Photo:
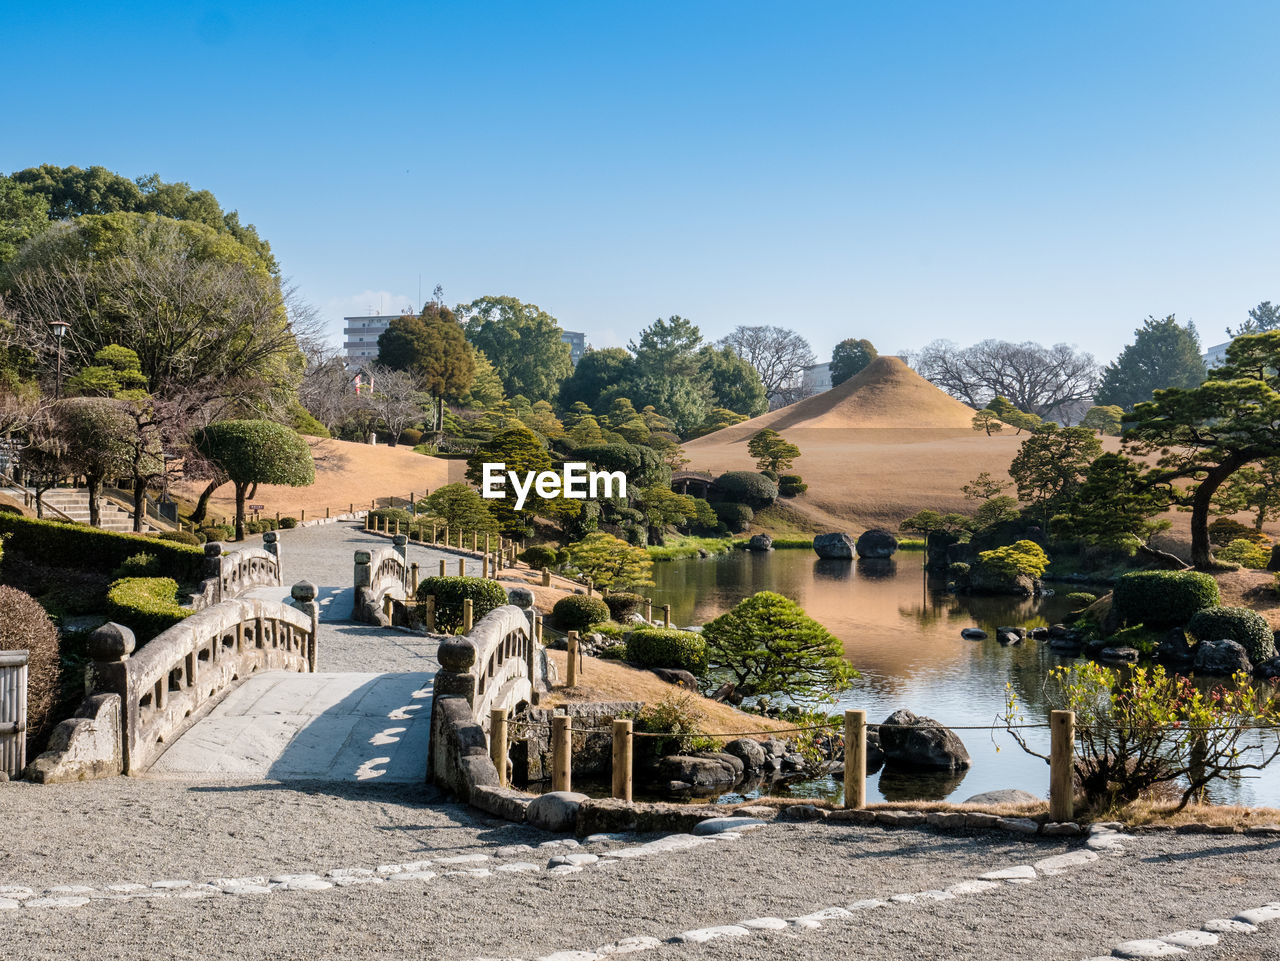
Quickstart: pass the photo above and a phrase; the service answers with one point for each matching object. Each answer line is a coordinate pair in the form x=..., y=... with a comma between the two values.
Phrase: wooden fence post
x=368, y=522
x=498, y=742
x=486, y=543
x=537, y=628
x=326, y=513
x=571, y=675
x=462, y=567
x=1062, y=732
x=430, y=616
x=468, y=615
x=433, y=534
x=484, y=566
x=666, y=615
x=648, y=610
x=622, y=758
x=855, y=759
x=302, y=515
x=442, y=570
x=546, y=577
x=475, y=541
x=561, y=752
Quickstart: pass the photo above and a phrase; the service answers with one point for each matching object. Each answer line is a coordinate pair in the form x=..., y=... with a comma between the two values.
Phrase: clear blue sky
x=899, y=171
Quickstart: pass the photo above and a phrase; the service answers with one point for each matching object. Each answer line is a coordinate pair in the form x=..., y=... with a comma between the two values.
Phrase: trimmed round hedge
x=450, y=592
x=146, y=605
x=667, y=647
x=736, y=517
x=622, y=603
x=179, y=537
x=1163, y=598
x=539, y=557
x=746, y=487
x=24, y=626
x=1248, y=628
x=789, y=485
x=578, y=612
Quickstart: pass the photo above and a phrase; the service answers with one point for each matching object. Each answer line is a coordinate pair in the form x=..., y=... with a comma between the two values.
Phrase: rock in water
x=760, y=542
x=912, y=741
x=1221, y=658
x=835, y=545
x=1004, y=796
x=974, y=634
x=748, y=751
x=876, y=543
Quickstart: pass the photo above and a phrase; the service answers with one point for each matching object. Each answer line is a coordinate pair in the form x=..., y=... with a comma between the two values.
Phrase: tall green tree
x=1113, y=505
x=735, y=384
x=1163, y=354
x=115, y=372
x=850, y=357
x=668, y=375
x=1051, y=465
x=1264, y=317
x=433, y=348
x=523, y=343
x=520, y=450
x=252, y=452
x=462, y=508
x=1207, y=433
x=22, y=216
x=596, y=380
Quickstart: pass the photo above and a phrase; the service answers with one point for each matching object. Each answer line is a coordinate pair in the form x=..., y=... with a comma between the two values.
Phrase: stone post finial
x=111, y=642
x=304, y=592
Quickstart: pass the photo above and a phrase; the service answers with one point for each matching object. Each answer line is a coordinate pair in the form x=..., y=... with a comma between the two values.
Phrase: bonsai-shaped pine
x=771, y=451
x=457, y=505
x=612, y=564
x=768, y=645
x=988, y=421
x=251, y=452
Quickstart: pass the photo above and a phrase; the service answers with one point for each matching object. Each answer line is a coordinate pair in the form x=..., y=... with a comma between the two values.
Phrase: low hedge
x=539, y=556
x=86, y=548
x=139, y=565
x=1248, y=628
x=146, y=605
x=450, y=592
x=1163, y=598
x=179, y=537
x=736, y=517
x=578, y=612
x=622, y=603
x=667, y=647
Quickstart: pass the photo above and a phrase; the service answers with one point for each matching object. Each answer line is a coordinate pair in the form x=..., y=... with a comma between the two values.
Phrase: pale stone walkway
x=365, y=717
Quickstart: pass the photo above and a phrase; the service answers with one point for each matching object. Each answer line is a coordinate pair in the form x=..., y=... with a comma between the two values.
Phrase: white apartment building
x=361, y=337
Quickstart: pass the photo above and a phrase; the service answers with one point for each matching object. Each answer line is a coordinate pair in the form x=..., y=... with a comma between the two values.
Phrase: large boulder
x=1269, y=669
x=909, y=740
x=836, y=546
x=555, y=811
x=974, y=634
x=1221, y=658
x=699, y=771
x=876, y=544
x=1003, y=796
x=1174, y=651
x=760, y=542
x=749, y=752
x=677, y=677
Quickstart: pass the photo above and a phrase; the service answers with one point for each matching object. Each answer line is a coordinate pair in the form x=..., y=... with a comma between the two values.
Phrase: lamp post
x=60, y=328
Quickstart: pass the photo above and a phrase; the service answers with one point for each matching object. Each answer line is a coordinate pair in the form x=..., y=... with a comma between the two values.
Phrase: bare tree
x=326, y=390
x=779, y=357
x=395, y=398
x=1052, y=382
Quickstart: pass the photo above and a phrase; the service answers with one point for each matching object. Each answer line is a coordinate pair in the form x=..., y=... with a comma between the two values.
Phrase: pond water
x=901, y=630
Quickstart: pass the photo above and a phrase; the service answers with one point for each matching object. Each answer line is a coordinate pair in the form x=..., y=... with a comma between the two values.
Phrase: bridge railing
x=227, y=575
x=378, y=573
x=163, y=687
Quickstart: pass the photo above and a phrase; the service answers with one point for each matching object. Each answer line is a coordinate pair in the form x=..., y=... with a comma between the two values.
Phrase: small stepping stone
x=565, y=843
x=629, y=946
x=9, y=904
x=513, y=850
x=469, y=873
x=171, y=885
x=564, y=869
x=826, y=914
x=57, y=902
x=866, y=904
x=125, y=888
x=233, y=882
x=973, y=887
x=765, y=924
x=703, y=935
x=412, y=876
x=457, y=859
x=1191, y=939
x=1058, y=863
x=350, y=873
x=349, y=880
x=578, y=860
x=306, y=884
x=422, y=865
x=723, y=825
x=15, y=893
x=1229, y=926
x=571, y=956
x=70, y=889
x=1020, y=872
x=521, y=867
x=1258, y=916
x=245, y=888
x=1147, y=948
x=601, y=839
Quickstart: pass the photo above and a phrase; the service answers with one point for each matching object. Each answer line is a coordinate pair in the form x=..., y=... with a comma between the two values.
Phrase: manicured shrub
x=1163, y=598
x=146, y=605
x=411, y=437
x=1013, y=560
x=789, y=485
x=179, y=537
x=139, y=565
x=288, y=523
x=1080, y=600
x=623, y=603
x=735, y=517
x=539, y=557
x=667, y=647
x=771, y=474
x=387, y=517
x=958, y=569
x=578, y=612
x=614, y=652
x=746, y=487
x=1248, y=628
x=1225, y=530
x=87, y=548
x=24, y=626
x=217, y=532
x=1246, y=553
x=450, y=592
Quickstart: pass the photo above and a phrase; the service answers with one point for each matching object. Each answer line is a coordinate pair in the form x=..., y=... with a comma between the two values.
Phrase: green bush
x=146, y=605
x=578, y=612
x=387, y=516
x=1248, y=628
x=771, y=474
x=539, y=557
x=1163, y=598
x=85, y=548
x=623, y=603
x=667, y=647
x=680, y=717
x=789, y=485
x=958, y=569
x=1246, y=553
x=179, y=537
x=736, y=517
x=746, y=487
x=139, y=565
x=1013, y=560
x=411, y=437
x=1141, y=638
x=217, y=532
x=614, y=652
x=1225, y=530
x=24, y=626
x=288, y=523
x=1080, y=600
x=450, y=592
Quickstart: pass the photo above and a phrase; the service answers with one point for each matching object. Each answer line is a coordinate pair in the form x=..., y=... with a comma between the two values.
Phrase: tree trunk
x=253, y=491
x=1201, y=550
x=241, y=490
x=202, y=505
x=139, y=504
x=439, y=419
x=95, y=492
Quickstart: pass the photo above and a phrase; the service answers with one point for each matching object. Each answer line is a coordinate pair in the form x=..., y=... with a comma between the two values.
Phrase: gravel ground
x=1158, y=885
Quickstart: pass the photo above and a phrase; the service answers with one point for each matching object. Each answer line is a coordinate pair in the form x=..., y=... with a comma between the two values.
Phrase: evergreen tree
x=1163, y=354
x=849, y=358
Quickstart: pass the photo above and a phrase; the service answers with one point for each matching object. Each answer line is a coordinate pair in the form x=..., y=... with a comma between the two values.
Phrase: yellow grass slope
x=880, y=447
x=346, y=473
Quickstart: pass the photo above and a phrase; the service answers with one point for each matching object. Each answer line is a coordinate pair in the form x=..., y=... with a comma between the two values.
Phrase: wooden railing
x=13, y=712
x=166, y=684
